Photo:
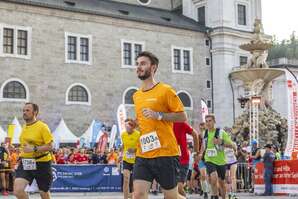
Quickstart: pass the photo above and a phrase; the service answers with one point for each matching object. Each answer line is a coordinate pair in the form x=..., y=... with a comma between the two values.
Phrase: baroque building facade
x=76, y=58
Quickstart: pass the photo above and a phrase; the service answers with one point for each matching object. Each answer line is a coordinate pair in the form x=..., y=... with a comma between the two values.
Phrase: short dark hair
x=153, y=59
x=34, y=106
x=210, y=116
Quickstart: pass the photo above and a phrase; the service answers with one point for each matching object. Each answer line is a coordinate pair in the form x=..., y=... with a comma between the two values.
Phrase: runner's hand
x=148, y=113
x=28, y=149
x=217, y=141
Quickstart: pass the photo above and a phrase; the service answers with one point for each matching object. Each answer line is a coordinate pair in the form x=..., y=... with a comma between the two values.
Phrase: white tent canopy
x=62, y=134
x=17, y=131
x=88, y=133
x=3, y=135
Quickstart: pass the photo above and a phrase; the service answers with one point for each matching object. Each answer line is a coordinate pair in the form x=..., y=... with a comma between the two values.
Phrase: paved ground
x=119, y=196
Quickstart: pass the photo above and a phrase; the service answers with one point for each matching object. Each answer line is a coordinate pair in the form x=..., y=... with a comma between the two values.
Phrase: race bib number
x=29, y=164
x=130, y=155
x=211, y=152
x=149, y=142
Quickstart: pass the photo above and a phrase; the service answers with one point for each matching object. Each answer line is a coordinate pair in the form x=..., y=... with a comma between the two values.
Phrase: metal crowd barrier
x=244, y=177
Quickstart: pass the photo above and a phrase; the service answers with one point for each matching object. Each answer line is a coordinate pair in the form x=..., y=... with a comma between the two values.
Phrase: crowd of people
x=154, y=151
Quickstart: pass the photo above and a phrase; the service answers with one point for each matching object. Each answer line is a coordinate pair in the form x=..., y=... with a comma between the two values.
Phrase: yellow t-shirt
x=37, y=134
x=161, y=98
x=130, y=141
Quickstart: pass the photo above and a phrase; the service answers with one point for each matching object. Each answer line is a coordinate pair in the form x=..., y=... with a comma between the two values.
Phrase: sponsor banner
x=204, y=109
x=113, y=136
x=121, y=117
x=285, y=177
x=292, y=142
x=86, y=178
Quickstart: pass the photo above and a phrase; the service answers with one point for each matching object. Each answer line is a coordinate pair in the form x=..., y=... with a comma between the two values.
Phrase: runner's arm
x=195, y=140
x=171, y=117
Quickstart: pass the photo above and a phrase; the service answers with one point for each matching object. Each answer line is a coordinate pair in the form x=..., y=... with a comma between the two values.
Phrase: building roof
x=120, y=10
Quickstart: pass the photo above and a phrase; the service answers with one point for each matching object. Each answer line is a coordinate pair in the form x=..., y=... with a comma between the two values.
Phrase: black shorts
x=189, y=174
x=182, y=173
x=127, y=166
x=220, y=169
x=163, y=169
x=43, y=175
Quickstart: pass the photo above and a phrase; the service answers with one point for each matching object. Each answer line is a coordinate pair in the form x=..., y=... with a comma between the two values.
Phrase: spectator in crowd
x=94, y=159
x=103, y=158
x=4, y=157
x=276, y=152
x=60, y=158
x=255, y=158
x=82, y=157
x=268, y=160
x=112, y=157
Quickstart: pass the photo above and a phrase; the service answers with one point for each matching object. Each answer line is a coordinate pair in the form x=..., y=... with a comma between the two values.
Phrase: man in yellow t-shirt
x=35, y=154
x=129, y=138
x=157, y=106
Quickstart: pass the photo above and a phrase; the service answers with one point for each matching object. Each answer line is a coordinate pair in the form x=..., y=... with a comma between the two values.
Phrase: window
x=207, y=61
x=208, y=84
x=78, y=48
x=130, y=50
x=78, y=94
x=144, y=2
x=242, y=60
x=128, y=95
x=186, y=99
x=182, y=60
x=14, y=90
x=241, y=14
x=15, y=41
x=207, y=42
x=8, y=40
x=201, y=15
x=209, y=104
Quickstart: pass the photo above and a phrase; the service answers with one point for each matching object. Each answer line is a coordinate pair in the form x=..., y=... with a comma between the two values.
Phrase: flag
x=95, y=130
x=10, y=130
x=113, y=136
x=204, y=109
x=121, y=117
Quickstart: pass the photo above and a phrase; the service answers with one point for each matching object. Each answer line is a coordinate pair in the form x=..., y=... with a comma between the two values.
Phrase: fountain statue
x=258, y=120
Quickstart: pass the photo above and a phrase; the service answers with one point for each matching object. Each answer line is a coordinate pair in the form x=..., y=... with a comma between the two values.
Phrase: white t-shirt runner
x=230, y=156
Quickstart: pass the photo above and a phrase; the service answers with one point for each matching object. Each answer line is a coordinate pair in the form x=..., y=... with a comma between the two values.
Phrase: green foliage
x=285, y=48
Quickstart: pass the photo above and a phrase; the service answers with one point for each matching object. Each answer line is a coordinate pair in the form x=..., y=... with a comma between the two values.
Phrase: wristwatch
x=35, y=148
x=160, y=115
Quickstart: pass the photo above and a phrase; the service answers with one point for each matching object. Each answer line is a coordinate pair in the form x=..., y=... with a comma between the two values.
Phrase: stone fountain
x=258, y=120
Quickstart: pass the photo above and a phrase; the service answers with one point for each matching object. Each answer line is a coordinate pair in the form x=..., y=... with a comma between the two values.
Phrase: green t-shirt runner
x=215, y=154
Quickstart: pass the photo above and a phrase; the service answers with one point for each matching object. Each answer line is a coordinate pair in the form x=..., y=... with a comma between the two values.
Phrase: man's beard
x=146, y=75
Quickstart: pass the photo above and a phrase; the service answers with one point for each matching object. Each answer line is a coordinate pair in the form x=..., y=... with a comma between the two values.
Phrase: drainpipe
x=208, y=31
x=233, y=99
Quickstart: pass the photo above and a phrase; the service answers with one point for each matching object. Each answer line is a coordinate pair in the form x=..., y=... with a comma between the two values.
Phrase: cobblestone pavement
x=119, y=196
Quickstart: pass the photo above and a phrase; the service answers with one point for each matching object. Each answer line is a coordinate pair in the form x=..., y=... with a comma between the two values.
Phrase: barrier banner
x=86, y=178
x=285, y=177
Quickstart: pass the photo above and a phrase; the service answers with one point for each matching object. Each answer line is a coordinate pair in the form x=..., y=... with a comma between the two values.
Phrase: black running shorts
x=163, y=169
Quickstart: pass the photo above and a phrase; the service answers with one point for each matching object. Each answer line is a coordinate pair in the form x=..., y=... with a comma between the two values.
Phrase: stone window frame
x=125, y=92
x=173, y=48
x=67, y=102
x=78, y=48
x=210, y=84
x=248, y=14
x=209, y=104
x=2, y=99
x=133, y=56
x=190, y=98
x=15, y=41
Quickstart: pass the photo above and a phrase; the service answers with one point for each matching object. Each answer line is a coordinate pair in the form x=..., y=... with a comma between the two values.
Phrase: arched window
x=128, y=95
x=14, y=90
x=186, y=99
x=78, y=94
